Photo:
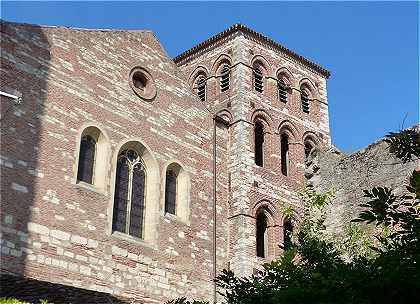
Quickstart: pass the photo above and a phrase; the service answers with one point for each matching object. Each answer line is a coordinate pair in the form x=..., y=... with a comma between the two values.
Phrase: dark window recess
x=258, y=80
x=170, y=192
x=308, y=149
x=201, y=88
x=287, y=234
x=139, y=81
x=282, y=91
x=137, y=201
x=128, y=215
x=304, y=99
x=261, y=234
x=284, y=150
x=86, y=159
x=259, y=143
x=119, y=221
x=225, y=78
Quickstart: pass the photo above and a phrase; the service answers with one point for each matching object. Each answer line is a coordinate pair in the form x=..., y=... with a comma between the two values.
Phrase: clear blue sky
x=371, y=48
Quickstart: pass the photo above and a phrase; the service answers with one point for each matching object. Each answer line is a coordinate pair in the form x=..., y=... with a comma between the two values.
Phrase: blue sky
x=371, y=48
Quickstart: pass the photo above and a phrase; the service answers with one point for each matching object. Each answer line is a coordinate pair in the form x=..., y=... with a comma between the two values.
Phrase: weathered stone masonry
x=58, y=230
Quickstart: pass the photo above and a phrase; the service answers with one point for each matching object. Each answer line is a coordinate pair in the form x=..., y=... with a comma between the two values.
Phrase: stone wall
x=349, y=174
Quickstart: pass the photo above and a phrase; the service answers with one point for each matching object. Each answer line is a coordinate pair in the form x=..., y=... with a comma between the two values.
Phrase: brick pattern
x=55, y=230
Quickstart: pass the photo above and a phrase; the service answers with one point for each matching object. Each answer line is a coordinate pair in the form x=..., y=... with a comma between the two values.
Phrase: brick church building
x=127, y=175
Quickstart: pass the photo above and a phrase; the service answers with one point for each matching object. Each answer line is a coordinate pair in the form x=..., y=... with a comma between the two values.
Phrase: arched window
x=259, y=143
x=261, y=234
x=129, y=197
x=308, y=149
x=201, y=87
x=258, y=79
x=304, y=100
x=282, y=88
x=284, y=151
x=225, y=78
x=86, y=159
x=170, y=191
x=287, y=233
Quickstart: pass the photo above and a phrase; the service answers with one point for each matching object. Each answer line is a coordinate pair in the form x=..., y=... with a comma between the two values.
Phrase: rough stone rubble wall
x=350, y=174
x=55, y=230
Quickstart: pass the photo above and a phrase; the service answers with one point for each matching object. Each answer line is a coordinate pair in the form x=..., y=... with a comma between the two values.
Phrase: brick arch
x=268, y=207
x=222, y=59
x=310, y=86
x=199, y=70
x=288, y=127
x=263, y=62
x=309, y=135
x=264, y=116
x=226, y=114
x=284, y=71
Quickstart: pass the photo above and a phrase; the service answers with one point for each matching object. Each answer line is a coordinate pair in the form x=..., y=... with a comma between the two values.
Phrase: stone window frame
x=264, y=66
x=222, y=61
x=286, y=127
x=306, y=86
x=197, y=82
x=100, y=167
x=151, y=208
x=149, y=92
x=312, y=139
x=270, y=212
x=183, y=195
x=287, y=77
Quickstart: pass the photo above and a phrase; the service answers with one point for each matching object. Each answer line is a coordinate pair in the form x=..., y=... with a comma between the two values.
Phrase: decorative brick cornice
x=260, y=37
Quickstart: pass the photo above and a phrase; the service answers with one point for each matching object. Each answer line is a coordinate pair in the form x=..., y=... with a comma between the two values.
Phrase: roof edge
x=240, y=27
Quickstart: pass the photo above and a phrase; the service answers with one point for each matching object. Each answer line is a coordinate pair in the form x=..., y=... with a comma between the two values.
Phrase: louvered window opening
x=201, y=88
x=261, y=235
x=304, y=98
x=86, y=159
x=284, y=154
x=258, y=80
x=128, y=215
x=259, y=144
x=282, y=91
x=225, y=79
x=170, y=192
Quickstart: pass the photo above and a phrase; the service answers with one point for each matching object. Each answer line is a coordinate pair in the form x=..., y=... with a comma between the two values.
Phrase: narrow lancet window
x=258, y=79
x=259, y=143
x=170, y=191
x=304, y=99
x=130, y=180
x=282, y=91
x=287, y=234
x=86, y=159
x=284, y=150
x=261, y=235
x=201, y=88
x=225, y=78
x=308, y=149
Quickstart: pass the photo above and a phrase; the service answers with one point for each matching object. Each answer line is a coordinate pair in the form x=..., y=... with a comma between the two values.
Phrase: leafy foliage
x=16, y=301
x=405, y=144
x=317, y=269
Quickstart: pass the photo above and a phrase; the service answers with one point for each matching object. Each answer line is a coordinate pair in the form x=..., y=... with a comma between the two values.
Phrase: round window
x=142, y=83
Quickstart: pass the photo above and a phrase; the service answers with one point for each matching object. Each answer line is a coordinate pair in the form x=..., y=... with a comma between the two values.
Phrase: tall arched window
x=308, y=149
x=86, y=159
x=284, y=151
x=282, y=88
x=304, y=100
x=287, y=233
x=259, y=143
x=225, y=78
x=258, y=79
x=201, y=87
x=170, y=191
x=129, y=197
x=261, y=234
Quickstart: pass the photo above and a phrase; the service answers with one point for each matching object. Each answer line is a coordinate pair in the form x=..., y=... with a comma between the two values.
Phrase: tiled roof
x=240, y=27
